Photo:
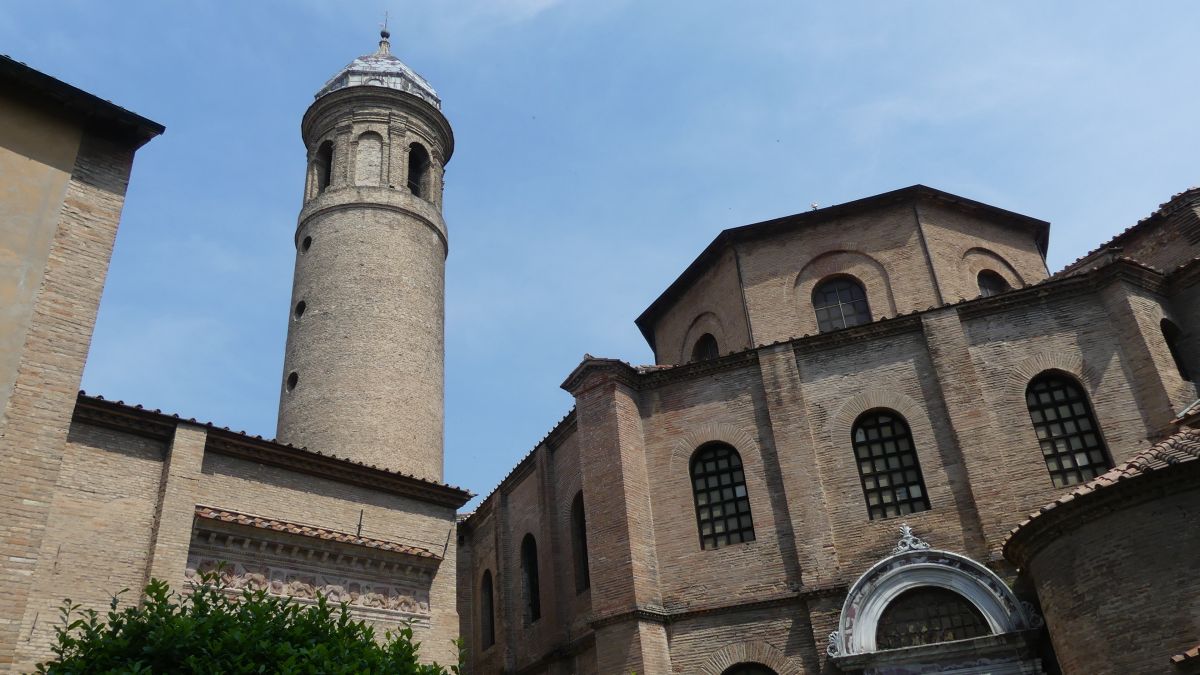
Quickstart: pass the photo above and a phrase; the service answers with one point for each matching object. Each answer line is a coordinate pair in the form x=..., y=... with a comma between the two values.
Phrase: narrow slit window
x=529, y=573
x=579, y=547
x=487, y=611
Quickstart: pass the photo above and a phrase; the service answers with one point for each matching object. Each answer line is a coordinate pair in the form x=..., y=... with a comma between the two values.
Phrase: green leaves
x=210, y=630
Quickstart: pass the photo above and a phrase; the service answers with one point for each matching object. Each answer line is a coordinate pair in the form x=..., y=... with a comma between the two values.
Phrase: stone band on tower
x=363, y=369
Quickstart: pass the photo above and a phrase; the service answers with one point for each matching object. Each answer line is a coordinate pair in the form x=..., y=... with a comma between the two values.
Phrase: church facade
x=830, y=467
x=851, y=410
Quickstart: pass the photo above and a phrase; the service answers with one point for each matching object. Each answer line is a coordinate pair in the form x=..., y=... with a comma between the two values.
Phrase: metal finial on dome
x=384, y=44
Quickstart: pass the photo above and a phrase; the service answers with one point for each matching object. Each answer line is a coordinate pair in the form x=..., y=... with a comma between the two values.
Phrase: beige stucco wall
x=37, y=152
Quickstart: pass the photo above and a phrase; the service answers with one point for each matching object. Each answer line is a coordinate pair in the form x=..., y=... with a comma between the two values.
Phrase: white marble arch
x=913, y=565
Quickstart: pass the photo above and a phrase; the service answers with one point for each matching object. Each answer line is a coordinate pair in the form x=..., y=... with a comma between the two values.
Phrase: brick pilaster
x=177, y=505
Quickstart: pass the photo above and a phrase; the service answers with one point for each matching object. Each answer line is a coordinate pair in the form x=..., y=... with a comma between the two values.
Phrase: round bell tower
x=363, y=369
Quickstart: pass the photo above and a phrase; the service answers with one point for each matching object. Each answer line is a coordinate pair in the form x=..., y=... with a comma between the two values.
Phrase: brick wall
x=51, y=365
x=1119, y=589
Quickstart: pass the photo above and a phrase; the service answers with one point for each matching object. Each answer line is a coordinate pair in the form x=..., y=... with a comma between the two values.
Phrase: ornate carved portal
x=1001, y=639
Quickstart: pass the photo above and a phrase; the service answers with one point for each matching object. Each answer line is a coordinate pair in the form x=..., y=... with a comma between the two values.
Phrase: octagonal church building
x=850, y=413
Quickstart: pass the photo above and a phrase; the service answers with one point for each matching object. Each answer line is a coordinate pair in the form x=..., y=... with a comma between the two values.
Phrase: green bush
x=212, y=631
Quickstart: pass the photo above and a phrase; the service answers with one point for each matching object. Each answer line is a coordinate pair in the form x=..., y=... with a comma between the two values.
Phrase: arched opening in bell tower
x=418, y=170
x=323, y=166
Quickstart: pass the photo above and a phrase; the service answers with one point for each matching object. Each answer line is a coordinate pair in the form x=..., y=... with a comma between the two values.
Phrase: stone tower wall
x=366, y=323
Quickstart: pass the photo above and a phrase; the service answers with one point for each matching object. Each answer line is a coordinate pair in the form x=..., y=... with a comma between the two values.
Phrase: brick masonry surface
x=956, y=371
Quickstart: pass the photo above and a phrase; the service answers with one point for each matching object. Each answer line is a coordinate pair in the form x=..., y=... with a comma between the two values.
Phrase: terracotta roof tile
x=1180, y=448
x=227, y=516
x=1163, y=209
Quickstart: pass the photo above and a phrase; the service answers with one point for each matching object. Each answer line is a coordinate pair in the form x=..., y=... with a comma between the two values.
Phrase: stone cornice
x=667, y=616
x=218, y=535
x=909, y=323
x=1079, y=283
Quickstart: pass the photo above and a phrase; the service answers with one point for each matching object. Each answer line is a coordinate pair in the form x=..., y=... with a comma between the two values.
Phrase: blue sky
x=600, y=147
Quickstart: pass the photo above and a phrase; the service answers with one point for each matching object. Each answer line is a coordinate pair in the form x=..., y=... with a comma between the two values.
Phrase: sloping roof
x=94, y=113
x=1181, y=448
x=157, y=424
x=769, y=228
x=277, y=525
x=1164, y=210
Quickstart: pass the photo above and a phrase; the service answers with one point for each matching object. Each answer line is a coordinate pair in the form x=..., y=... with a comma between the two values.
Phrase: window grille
x=991, y=284
x=1066, y=430
x=722, y=504
x=887, y=464
x=840, y=303
x=928, y=615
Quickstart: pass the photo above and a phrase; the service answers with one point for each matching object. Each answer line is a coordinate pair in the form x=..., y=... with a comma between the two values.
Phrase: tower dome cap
x=382, y=69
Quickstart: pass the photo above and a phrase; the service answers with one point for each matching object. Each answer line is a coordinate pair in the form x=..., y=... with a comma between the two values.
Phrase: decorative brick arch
x=842, y=422
x=1071, y=363
x=706, y=322
x=977, y=259
x=685, y=447
x=865, y=269
x=751, y=651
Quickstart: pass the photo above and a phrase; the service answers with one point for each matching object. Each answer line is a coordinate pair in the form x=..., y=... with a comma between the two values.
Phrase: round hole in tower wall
x=305, y=244
x=292, y=380
x=300, y=307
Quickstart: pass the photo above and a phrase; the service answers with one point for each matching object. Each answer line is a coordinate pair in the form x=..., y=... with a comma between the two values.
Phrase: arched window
x=583, y=579
x=840, y=302
x=991, y=284
x=487, y=611
x=887, y=464
x=368, y=159
x=748, y=669
x=928, y=615
x=705, y=348
x=1066, y=429
x=323, y=166
x=719, y=489
x=1172, y=335
x=418, y=170
x=529, y=575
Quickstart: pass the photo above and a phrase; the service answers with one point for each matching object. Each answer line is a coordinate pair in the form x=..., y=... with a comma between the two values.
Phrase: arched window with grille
x=1172, y=335
x=706, y=348
x=887, y=465
x=991, y=283
x=840, y=302
x=579, y=550
x=719, y=490
x=1066, y=429
x=487, y=611
x=927, y=615
x=529, y=577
